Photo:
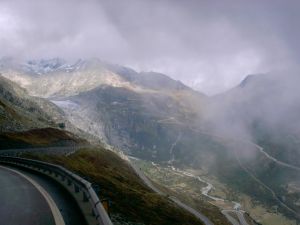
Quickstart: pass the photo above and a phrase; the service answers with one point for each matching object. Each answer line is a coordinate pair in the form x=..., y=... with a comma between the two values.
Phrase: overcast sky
x=211, y=45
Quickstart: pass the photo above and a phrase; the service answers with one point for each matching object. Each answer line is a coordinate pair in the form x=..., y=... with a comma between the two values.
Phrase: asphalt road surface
x=241, y=219
x=21, y=202
x=30, y=199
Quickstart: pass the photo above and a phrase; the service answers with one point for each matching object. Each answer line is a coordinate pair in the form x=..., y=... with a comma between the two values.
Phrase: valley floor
x=199, y=189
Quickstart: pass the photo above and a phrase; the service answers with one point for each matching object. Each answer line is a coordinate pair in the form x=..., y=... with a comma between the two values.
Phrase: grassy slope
x=10, y=119
x=131, y=199
x=38, y=138
x=19, y=111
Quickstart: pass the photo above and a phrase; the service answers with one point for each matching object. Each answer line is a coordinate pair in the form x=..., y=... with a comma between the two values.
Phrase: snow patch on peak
x=39, y=67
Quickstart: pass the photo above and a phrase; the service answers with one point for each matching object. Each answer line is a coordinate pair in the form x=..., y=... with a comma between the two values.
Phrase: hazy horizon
x=96, y=86
x=210, y=46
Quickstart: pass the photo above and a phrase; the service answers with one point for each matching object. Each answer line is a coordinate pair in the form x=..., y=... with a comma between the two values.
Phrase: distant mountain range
x=106, y=100
x=151, y=116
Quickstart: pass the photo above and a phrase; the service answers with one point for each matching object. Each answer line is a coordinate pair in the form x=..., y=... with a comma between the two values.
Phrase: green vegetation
x=38, y=138
x=131, y=200
x=185, y=188
x=240, y=178
x=19, y=111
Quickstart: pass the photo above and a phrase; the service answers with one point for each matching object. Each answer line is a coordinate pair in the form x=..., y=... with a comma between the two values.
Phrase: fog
x=264, y=110
x=243, y=132
x=209, y=45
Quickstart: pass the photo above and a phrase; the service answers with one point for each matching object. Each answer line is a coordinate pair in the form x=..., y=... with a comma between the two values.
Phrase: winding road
x=266, y=187
x=240, y=214
x=148, y=182
x=49, y=208
x=25, y=202
x=29, y=198
x=284, y=164
x=261, y=150
x=205, y=191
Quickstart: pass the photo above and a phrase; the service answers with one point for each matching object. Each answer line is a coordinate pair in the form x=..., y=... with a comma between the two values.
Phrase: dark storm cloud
x=209, y=44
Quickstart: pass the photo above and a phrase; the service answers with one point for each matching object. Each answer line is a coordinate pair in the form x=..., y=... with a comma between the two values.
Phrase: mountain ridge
x=155, y=118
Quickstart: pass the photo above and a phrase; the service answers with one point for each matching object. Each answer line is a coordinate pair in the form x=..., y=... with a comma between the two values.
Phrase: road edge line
x=53, y=207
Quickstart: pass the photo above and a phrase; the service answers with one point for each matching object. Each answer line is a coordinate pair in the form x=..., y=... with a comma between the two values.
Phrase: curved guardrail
x=80, y=189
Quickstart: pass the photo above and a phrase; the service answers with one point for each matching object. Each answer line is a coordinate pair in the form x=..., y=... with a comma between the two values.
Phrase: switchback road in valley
x=266, y=187
x=240, y=214
x=148, y=182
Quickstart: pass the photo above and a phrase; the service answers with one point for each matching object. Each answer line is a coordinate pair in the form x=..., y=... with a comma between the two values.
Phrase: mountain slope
x=125, y=108
x=131, y=201
x=61, y=80
x=263, y=110
x=43, y=137
x=267, y=108
x=28, y=121
x=19, y=111
x=155, y=118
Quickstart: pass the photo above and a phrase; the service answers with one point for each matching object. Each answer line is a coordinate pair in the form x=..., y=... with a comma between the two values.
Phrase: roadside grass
x=38, y=138
x=130, y=199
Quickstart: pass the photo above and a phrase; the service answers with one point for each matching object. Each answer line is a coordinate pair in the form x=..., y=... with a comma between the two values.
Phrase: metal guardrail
x=80, y=189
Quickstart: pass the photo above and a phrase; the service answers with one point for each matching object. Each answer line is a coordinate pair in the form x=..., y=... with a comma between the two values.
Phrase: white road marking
x=54, y=209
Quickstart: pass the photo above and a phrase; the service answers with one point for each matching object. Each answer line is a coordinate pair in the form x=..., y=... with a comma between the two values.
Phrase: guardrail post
x=93, y=212
x=76, y=188
x=85, y=197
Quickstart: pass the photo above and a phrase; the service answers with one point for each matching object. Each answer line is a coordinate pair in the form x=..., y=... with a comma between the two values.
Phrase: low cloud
x=210, y=45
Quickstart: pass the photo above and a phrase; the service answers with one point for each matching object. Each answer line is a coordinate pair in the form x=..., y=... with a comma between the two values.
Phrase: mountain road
x=25, y=202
